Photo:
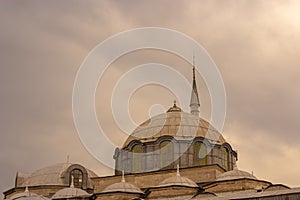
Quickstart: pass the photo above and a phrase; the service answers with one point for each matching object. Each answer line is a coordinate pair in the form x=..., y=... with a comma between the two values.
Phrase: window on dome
x=78, y=178
x=166, y=154
x=225, y=158
x=137, y=151
x=200, y=152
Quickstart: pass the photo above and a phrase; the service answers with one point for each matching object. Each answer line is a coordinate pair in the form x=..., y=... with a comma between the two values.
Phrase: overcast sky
x=255, y=45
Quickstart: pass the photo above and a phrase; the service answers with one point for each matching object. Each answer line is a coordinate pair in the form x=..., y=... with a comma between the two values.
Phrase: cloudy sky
x=255, y=45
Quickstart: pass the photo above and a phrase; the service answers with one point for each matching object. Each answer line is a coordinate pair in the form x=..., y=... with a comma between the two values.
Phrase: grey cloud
x=42, y=44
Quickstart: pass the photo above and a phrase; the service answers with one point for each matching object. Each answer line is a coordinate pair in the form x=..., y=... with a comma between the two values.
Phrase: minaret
x=194, y=105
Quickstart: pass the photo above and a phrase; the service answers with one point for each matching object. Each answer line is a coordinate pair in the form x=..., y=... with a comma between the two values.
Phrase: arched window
x=166, y=154
x=225, y=158
x=200, y=152
x=137, y=151
x=78, y=178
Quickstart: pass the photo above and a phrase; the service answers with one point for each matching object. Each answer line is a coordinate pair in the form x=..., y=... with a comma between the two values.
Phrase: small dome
x=122, y=187
x=47, y=175
x=27, y=196
x=51, y=175
x=70, y=192
x=178, y=181
x=235, y=174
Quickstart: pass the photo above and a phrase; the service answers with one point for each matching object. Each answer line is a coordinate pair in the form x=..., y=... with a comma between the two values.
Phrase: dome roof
x=27, y=196
x=178, y=181
x=175, y=123
x=70, y=192
x=235, y=174
x=122, y=187
x=51, y=175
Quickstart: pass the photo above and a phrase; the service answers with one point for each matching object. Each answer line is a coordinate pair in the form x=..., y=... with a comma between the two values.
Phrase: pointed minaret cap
x=194, y=104
x=123, y=177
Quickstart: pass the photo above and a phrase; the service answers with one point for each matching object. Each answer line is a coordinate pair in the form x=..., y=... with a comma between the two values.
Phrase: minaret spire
x=194, y=104
x=193, y=67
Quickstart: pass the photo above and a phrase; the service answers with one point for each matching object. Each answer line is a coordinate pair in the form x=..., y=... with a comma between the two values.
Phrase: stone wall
x=199, y=174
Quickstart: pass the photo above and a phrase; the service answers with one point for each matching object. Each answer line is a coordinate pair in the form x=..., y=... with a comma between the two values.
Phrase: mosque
x=174, y=155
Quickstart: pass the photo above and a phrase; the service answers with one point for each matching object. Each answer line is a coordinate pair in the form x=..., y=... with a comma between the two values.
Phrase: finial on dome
x=174, y=108
x=123, y=177
x=235, y=166
x=177, y=173
x=72, y=182
x=26, y=191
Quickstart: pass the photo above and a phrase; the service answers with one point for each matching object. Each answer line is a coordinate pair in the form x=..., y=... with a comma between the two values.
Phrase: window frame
x=137, y=158
x=166, y=152
x=76, y=181
x=199, y=146
x=225, y=158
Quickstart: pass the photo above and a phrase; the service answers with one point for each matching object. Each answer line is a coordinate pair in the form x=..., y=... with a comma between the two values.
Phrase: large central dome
x=174, y=138
x=178, y=124
x=171, y=138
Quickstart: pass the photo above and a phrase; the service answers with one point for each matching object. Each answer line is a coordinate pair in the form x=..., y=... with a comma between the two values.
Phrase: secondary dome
x=70, y=192
x=175, y=123
x=122, y=187
x=52, y=175
x=235, y=174
x=178, y=181
x=27, y=195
